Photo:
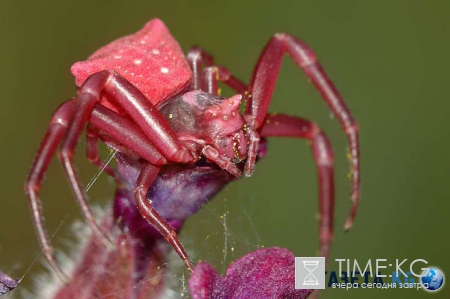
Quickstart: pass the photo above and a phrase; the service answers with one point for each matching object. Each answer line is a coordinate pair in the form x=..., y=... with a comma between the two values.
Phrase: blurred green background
x=389, y=59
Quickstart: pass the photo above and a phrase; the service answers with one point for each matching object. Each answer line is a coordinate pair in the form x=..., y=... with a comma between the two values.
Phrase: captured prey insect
x=141, y=96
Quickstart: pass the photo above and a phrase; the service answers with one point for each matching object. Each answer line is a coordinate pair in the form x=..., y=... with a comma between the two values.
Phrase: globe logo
x=433, y=278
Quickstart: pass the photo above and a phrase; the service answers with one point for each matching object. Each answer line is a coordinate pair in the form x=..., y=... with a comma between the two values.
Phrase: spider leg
x=213, y=154
x=138, y=108
x=92, y=153
x=47, y=149
x=217, y=73
x=197, y=58
x=147, y=117
x=210, y=83
x=289, y=126
x=261, y=89
x=128, y=135
x=124, y=133
x=85, y=103
x=207, y=80
x=120, y=148
x=144, y=181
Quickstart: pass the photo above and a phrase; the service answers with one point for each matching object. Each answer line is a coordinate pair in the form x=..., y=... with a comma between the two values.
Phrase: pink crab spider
x=143, y=97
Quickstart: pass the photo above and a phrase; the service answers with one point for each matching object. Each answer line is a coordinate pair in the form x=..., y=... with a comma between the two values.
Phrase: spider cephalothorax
x=142, y=96
x=209, y=120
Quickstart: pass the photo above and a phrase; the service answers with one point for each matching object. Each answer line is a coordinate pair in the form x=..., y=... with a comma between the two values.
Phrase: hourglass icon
x=310, y=279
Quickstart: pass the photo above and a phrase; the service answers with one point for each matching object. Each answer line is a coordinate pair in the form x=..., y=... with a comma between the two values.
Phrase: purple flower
x=128, y=271
x=136, y=268
x=178, y=192
x=7, y=283
x=264, y=273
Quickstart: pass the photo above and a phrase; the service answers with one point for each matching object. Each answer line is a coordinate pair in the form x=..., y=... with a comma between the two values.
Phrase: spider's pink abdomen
x=151, y=59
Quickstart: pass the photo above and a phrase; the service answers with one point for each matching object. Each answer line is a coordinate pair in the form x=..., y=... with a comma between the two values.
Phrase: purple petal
x=264, y=273
x=7, y=283
x=178, y=192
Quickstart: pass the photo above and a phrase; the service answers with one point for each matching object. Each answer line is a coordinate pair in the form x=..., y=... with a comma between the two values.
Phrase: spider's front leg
x=262, y=86
x=280, y=125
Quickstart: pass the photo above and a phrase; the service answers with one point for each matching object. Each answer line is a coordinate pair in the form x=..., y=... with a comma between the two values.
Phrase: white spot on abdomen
x=164, y=70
